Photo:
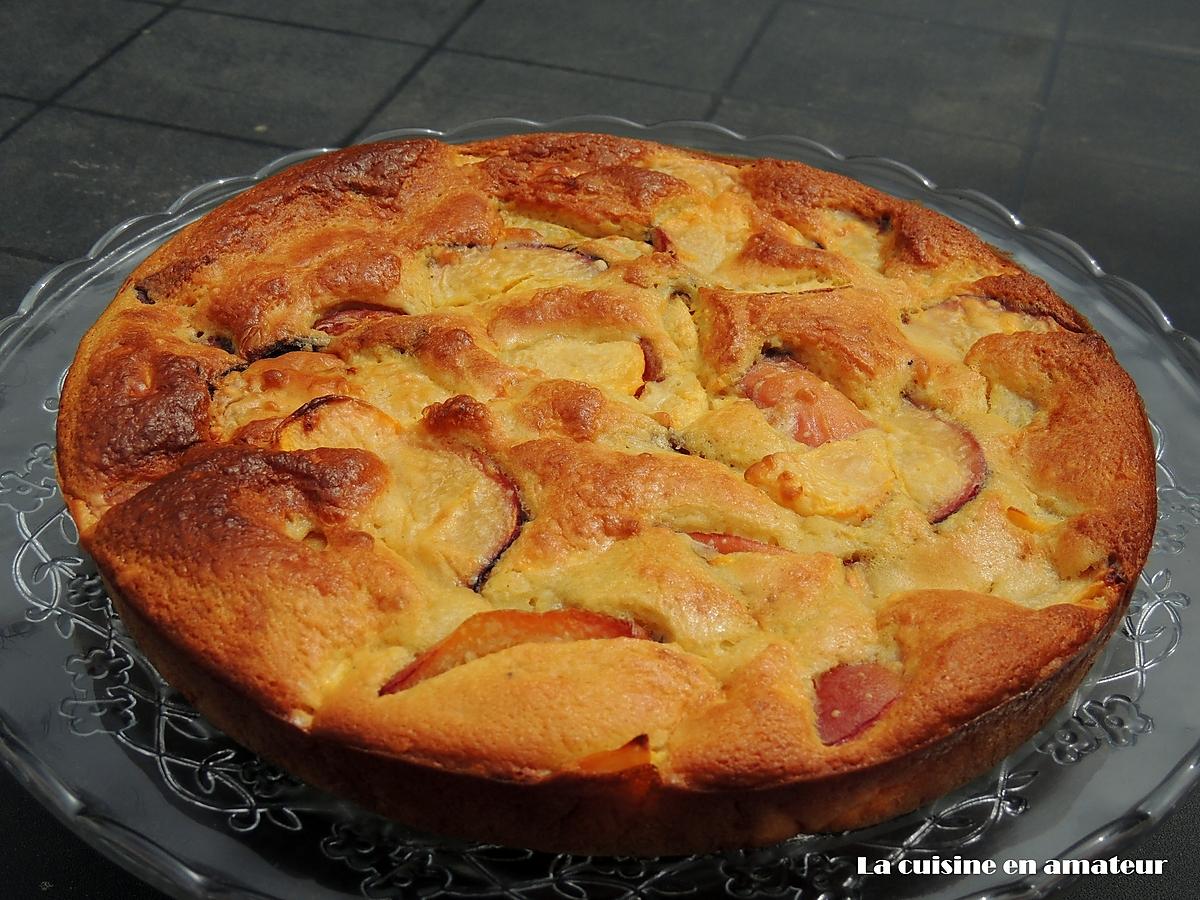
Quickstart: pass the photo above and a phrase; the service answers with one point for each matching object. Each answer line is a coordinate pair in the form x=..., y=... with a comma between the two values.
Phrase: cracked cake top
x=550, y=457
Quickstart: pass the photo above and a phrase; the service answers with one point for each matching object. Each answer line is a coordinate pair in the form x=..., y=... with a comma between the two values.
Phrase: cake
x=583, y=493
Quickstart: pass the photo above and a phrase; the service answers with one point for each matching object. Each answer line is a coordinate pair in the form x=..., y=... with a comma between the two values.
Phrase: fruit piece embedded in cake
x=491, y=632
x=800, y=404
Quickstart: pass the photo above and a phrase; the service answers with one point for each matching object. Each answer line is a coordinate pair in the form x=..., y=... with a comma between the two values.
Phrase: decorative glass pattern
x=63, y=648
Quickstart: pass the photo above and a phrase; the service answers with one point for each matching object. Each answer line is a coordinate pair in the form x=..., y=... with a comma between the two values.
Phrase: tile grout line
x=1034, y=141
x=126, y=117
x=1029, y=149
x=411, y=73
x=138, y=120
x=175, y=126
x=842, y=117
x=112, y=51
x=924, y=20
x=1182, y=54
x=558, y=67
x=303, y=26
x=719, y=94
x=33, y=255
x=440, y=46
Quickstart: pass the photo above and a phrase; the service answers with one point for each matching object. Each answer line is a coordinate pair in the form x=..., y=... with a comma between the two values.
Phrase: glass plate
x=93, y=731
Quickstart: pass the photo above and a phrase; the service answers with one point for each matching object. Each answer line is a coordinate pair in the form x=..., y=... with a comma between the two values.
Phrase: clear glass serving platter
x=93, y=731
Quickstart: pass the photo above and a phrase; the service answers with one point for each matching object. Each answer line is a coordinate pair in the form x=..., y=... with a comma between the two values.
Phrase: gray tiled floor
x=908, y=72
x=453, y=88
x=34, y=63
x=111, y=170
x=415, y=21
x=1135, y=217
x=1168, y=26
x=1080, y=115
x=1124, y=105
x=247, y=78
x=11, y=111
x=627, y=38
x=1040, y=18
x=17, y=274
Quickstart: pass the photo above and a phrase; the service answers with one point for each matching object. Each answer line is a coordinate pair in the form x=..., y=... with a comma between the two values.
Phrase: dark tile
x=1126, y=105
x=898, y=70
x=949, y=160
x=74, y=175
x=1038, y=17
x=1138, y=222
x=419, y=21
x=47, y=44
x=245, y=78
x=1169, y=25
x=1173, y=840
x=693, y=45
x=42, y=859
x=17, y=275
x=12, y=111
x=454, y=88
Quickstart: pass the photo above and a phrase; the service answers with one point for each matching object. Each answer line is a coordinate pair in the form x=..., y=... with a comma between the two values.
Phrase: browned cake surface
x=587, y=493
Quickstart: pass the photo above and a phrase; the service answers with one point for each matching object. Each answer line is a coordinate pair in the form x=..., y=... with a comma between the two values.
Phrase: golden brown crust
x=407, y=384
x=1088, y=447
x=1027, y=293
x=227, y=512
x=631, y=811
x=842, y=334
x=797, y=194
x=135, y=405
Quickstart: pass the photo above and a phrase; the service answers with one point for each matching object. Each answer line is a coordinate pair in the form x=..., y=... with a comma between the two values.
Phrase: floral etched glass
x=94, y=732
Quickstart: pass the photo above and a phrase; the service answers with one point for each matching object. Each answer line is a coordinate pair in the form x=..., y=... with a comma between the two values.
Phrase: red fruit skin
x=349, y=316
x=516, y=518
x=977, y=471
x=652, y=369
x=850, y=697
x=490, y=632
x=800, y=404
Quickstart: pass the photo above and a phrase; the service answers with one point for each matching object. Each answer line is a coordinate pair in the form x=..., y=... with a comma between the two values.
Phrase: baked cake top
x=572, y=453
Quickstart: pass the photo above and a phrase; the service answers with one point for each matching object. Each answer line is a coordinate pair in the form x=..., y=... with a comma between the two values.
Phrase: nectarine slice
x=490, y=632
x=800, y=404
x=732, y=543
x=852, y=696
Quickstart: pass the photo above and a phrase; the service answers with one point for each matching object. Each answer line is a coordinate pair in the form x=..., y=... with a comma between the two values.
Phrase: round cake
x=583, y=493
